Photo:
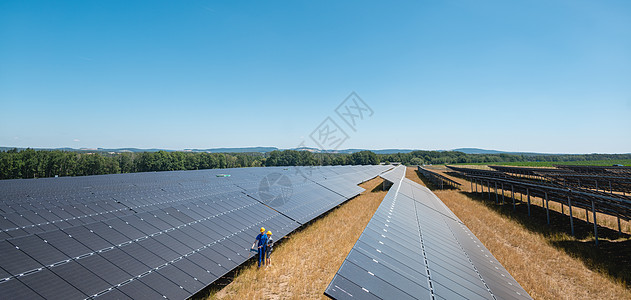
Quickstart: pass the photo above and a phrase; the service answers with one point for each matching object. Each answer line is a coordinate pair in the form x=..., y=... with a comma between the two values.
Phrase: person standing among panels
x=261, y=243
x=269, y=248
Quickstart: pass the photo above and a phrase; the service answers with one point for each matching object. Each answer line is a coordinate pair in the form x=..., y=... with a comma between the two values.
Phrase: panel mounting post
x=528, y=193
x=547, y=208
x=512, y=195
x=569, y=204
x=595, y=223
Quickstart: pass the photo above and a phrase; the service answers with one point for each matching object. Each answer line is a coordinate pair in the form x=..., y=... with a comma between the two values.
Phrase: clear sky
x=540, y=76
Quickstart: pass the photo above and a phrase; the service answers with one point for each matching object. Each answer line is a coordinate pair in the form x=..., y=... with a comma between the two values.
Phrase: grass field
x=305, y=262
x=624, y=162
x=547, y=261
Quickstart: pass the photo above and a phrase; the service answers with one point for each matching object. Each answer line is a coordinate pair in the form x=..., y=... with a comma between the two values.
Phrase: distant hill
x=485, y=151
x=212, y=150
x=235, y=150
x=269, y=149
x=477, y=151
x=382, y=151
x=351, y=151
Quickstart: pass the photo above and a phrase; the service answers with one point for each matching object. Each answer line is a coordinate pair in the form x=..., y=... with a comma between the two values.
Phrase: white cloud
x=75, y=140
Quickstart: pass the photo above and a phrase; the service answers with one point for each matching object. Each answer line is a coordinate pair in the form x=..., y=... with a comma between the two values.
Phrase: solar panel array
x=607, y=179
x=614, y=204
x=414, y=247
x=436, y=178
x=152, y=235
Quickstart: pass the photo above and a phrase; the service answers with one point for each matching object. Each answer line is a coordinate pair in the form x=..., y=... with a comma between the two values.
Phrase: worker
x=261, y=243
x=269, y=248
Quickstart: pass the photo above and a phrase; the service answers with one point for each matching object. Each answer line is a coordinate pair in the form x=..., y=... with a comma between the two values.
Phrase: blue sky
x=541, y=76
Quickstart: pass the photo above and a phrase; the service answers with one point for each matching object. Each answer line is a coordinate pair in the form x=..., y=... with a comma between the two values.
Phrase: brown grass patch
x=306, y=261
x=545, y=260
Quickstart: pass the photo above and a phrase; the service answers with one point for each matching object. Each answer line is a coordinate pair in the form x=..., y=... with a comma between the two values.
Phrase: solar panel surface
x=414, y=247
x=153, y=235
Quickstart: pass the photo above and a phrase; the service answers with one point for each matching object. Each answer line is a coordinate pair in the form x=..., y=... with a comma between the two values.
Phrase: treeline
x=306, y=158
x=30, y=163
x=455, y=157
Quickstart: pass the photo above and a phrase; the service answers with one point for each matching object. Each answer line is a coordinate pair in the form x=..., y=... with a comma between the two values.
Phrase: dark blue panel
x=342, y=288
x=139, y=291
x=81, y=278
x=181, y=278
x=15, y=261
x=164, y=286
x=15, y=289
x=87, y=238
x=104, y=269
x=65, y=243
x=127, y=263
x=51, y=286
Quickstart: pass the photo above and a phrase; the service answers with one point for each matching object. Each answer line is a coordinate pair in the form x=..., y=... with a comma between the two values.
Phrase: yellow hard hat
x=262, y=229
x=269, y=233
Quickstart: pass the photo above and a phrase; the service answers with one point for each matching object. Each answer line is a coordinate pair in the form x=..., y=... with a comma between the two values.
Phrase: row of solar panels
x=414, y=247
x=32, y=206
x=153, y=235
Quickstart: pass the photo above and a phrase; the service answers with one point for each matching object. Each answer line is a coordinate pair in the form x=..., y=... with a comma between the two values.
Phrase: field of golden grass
x=305, y=262
x=547, y=261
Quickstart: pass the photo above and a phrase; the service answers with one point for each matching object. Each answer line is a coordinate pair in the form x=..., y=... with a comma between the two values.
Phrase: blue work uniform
x=261, y=244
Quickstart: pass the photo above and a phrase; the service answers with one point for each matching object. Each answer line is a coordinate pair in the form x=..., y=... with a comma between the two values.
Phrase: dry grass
x=305, y=262
x=546, y=261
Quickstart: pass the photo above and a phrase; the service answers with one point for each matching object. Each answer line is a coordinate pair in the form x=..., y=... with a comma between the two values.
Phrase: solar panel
x=15, y=261
x=414, y=247
x=81, y=278
x=15, y=289
x=149, y=235
x=105, y=269
x=136, y=289
x=50, y=286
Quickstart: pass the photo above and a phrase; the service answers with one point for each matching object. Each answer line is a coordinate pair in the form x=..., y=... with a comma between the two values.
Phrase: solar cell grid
x=374, y=284
x=408, y=285
x=161, y=250
x=219, y=258
x=342, y=288
x=164, y=286
x=15, y=289
x=143, y=255
x=184, y=280
x=412, y=243
x=81, y=278
x=136, y=289
x=105, y=232
x=118, y=214
x=38, y=249
x=103, y=268
x=87, y=238
x=195, y=271
x=15, y=261
x=50, y=286
x=209, y=265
